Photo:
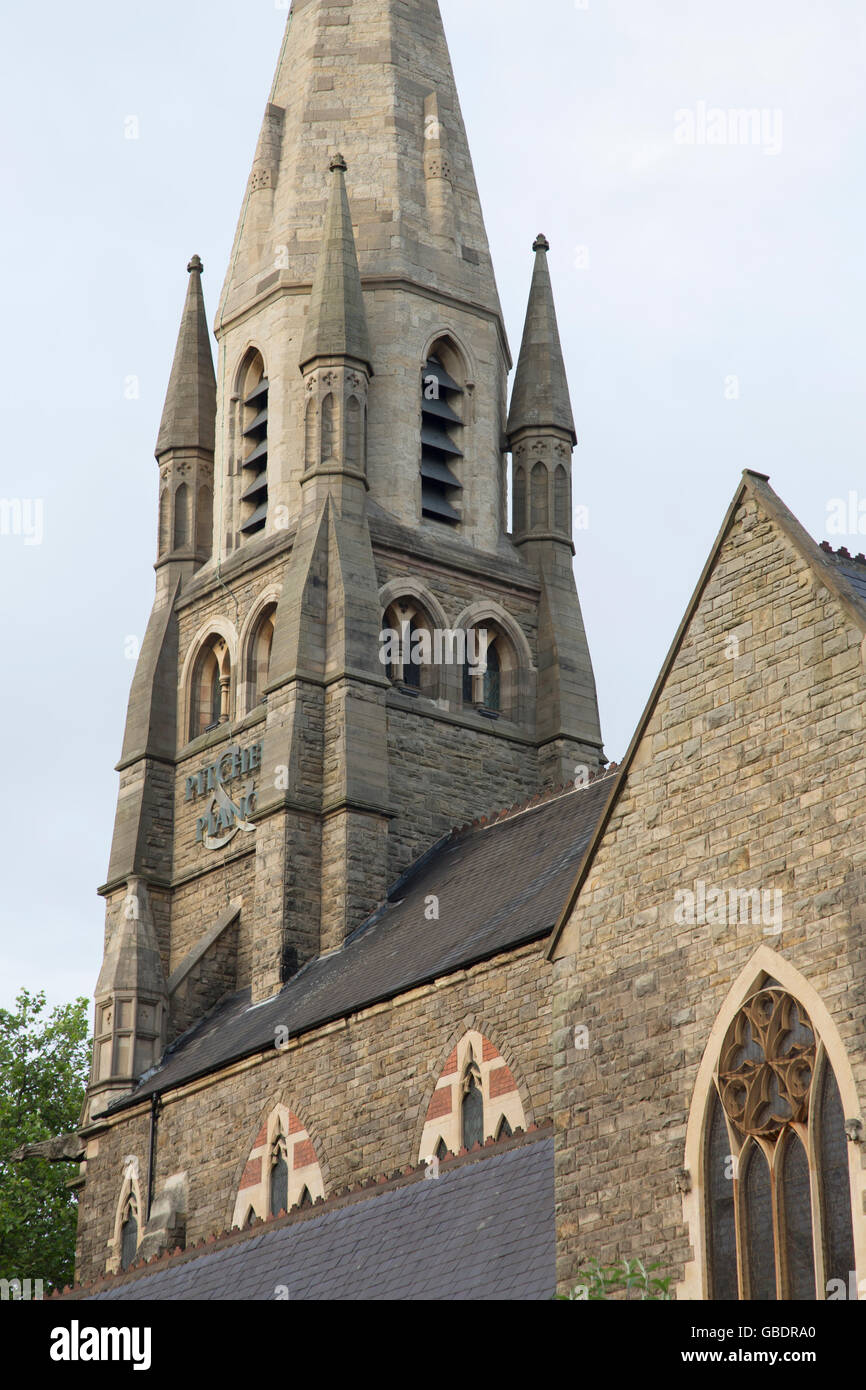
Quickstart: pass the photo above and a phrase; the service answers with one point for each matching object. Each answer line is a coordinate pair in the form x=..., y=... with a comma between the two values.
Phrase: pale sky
x=677, y=269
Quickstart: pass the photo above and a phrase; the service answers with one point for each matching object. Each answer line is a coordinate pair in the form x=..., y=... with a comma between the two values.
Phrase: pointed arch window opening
x=278, y=1193
x=487, y=691
x=776, y=1179
x=441, y=440
x=412, y=625
x=254, y=433
x=471, y=1104
x=129, y=1234
x=259, y=661
x=211, y=688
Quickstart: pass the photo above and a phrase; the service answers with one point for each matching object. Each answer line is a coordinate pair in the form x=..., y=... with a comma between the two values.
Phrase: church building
x=406, y=992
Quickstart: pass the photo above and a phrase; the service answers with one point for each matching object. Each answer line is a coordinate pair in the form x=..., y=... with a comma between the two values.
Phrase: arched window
x=410, y=647
x=164, y=519
x=181, y=517
x=776, y=1182
x=539, y=498
x=329, y=440
x=259, y=657
x=254, y=388
x=355, y=435
x=311, y=421
x=279, y=1191
x=280, y=1169
x=519, y=520
x=561, y=500
x=472, y=1106
x=442, y=396
x=209, y=703
x=476, y=1098
x=129, y=1235
x=490, y=673
x=204, y=521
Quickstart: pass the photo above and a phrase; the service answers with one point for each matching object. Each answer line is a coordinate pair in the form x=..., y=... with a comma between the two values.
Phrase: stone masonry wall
x=361, y=1087
x=750, y=775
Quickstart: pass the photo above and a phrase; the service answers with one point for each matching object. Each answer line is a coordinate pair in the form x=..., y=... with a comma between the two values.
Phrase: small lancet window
x=472, y=1105
x=279, y=1186
x=539, y=498
x=441, y=437
x=441, y=1150
x=181, y=518
x=305, y=1200
x=561, y=500
x=503, y=1130
x=129, y=1235
x=254, y=432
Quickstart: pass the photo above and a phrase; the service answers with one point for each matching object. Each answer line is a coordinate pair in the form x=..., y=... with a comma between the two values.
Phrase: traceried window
x=254, y=388
x=442, y=398
x=777, y=1193
x=129, y=1235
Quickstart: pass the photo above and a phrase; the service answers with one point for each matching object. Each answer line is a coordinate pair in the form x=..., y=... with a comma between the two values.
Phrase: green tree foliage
x=629, y=1279
x=43, y=1072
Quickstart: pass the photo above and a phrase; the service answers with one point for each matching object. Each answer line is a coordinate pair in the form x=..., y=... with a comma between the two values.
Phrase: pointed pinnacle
x=189, y=413
x=540, y=398
x=337, y=320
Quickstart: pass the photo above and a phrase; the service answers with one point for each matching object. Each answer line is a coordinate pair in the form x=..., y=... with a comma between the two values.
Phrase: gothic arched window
x=209, y=702
x=259, y=657
x=254, y=389
x=490, y=680
x=279, y=1187
x=411, y=647
x=129, y=1235
x=519, y=520
x=181, y=518
x=442, y=397
x=539, y=500
x=561, y=500
x=776, y=1185
x=329, y=439
x=355, y=452
x=472, y=1105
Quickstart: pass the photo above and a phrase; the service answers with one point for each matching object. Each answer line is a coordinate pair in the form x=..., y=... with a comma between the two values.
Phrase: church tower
x=342, y=476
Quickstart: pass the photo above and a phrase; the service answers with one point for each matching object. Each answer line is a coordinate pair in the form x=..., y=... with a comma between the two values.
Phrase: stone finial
x=541, y=243
x=337, y=162
x=195, y=264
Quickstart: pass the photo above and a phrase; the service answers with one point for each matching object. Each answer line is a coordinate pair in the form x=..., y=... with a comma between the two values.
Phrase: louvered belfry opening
x=441, y=429
x=255, y=436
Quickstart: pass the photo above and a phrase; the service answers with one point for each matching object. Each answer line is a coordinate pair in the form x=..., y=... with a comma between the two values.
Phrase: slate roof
x=482, y=1231
x=499, y=886
x=853, y=567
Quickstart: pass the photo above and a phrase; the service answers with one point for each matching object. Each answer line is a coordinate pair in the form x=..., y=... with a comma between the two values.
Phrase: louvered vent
x=255, y=464
x=441, y=427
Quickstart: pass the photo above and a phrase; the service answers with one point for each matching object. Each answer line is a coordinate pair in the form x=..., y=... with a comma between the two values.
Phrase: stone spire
x=189, y=414
x=540, y=395
x=337, y=323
